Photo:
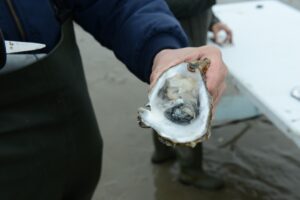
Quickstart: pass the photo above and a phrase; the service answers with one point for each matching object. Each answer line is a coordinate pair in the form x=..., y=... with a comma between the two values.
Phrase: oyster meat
x=179, y=107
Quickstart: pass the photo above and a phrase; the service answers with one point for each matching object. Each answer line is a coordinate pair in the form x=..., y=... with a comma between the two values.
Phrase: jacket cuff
x=154, y=46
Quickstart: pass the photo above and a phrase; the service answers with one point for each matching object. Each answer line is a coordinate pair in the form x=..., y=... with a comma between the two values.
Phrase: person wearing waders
x=50, y=144
x=196, y=18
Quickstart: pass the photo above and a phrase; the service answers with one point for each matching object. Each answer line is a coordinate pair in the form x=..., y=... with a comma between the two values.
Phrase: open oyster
x=179, y=107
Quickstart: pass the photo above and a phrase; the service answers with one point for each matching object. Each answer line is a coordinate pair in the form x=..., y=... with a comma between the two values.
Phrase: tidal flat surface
x=262, y=164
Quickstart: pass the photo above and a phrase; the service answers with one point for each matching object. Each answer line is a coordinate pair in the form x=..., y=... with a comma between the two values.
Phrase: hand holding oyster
x=180, y=106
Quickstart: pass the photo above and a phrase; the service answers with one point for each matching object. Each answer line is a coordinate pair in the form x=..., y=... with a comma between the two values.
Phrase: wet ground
x=260, y=164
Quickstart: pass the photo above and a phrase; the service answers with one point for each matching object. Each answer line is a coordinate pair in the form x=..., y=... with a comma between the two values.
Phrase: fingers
x=219, y=93
x=228, y=34
x=229, y=37
x=159, y=69
x=217, y=28
x=215, y=75
x=156, y=74
x=201, y=52
x=163, y=61
x=217, y=96
x=216, y=38
x=171, y=57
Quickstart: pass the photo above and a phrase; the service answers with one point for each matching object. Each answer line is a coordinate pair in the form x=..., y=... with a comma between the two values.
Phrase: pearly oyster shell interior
x=179, y=107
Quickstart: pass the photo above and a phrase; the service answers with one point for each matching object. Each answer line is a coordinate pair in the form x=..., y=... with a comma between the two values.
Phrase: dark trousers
x=49, y=164
x=50, y=145
x=196, y=27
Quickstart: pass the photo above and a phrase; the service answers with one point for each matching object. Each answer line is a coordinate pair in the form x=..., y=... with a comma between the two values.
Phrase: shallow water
x=262, y=164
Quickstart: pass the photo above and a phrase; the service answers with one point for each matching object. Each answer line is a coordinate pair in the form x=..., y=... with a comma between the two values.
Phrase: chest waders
x=50, y=145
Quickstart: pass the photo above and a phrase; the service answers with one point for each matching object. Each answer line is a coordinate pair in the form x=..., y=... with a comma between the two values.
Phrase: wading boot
x=191, y=171
x=199, y=179
x=162, y=153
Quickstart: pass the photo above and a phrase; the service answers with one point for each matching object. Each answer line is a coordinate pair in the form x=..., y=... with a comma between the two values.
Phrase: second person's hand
x=216, y=30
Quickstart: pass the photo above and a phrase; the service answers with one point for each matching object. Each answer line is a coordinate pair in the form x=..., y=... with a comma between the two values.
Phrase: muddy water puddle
x=263, y=162
x=260, y=165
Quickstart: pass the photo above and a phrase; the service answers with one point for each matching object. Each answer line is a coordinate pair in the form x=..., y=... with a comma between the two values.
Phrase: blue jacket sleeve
x=136, y=30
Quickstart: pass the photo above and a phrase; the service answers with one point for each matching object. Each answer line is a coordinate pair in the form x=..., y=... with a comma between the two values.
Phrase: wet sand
x=261, y=164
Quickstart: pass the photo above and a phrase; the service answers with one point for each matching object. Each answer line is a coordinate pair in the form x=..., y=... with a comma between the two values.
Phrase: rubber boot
x=162, y=153
x=191, y=170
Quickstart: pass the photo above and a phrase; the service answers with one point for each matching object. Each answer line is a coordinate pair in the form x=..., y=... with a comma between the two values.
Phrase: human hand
x=216, y=29
x=215, y=75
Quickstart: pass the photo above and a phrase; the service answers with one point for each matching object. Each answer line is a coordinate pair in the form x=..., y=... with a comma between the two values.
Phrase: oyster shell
x=179, y=107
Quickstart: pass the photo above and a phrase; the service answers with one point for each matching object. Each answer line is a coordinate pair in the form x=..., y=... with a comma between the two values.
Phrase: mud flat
x=261, y=164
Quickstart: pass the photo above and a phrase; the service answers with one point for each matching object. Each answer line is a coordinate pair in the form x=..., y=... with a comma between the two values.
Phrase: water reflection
x=168, y=188
x=263, y=163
